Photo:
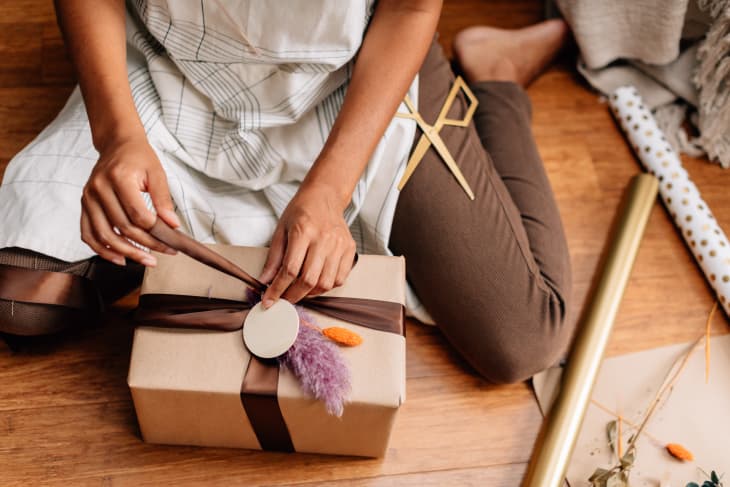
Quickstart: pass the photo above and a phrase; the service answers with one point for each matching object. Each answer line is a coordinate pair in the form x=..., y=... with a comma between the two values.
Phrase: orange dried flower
x=679, y=452
x=343, y=336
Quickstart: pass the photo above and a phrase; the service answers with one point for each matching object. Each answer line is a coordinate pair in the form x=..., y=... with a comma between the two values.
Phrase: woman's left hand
x=312, y=249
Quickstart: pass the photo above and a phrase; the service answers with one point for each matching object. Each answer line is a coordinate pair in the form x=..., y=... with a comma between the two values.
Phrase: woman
x=274, y=124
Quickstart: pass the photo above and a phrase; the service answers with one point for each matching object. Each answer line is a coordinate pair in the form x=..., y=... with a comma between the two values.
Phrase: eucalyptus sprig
x=713, y=480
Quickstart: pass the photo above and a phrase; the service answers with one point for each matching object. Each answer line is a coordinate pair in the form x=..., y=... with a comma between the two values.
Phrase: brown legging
x=494, y=273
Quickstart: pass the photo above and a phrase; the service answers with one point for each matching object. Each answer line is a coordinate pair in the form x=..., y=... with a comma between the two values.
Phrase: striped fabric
x=237, y=98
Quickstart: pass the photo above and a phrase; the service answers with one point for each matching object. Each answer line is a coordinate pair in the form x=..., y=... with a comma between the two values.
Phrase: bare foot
x=491, y=54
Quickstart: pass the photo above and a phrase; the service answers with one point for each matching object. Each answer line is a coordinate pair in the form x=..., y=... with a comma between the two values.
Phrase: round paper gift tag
x=269, y=333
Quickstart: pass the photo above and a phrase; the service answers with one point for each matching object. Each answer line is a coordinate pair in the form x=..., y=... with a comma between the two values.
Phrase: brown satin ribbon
x=259, y=400
x=46, y=287
x=371, y=313
x=260, y=382
x=192, y=248
x=176, y=311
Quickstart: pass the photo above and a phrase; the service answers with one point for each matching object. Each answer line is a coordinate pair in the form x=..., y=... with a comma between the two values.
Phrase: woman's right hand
x=112, y=199
x=127, y=166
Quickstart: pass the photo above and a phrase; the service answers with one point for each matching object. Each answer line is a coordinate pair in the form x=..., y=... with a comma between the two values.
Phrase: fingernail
x=119, y=261
x=148, y=260
x=267, y=303
x=173, y=216
x=170, y=251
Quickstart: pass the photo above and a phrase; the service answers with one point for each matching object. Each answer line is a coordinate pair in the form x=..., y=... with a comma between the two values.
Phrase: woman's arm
x=94, y=32
x=312, y=249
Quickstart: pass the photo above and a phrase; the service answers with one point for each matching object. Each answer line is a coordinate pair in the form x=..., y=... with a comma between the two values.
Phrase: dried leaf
x=611, y=434
x=618, y=479
x=598, y=479
x=627, y=461
x=342, y=336
x=679, y=452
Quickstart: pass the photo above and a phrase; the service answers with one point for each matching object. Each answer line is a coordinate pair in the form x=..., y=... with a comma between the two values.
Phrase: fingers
x=160, y=194
x=98, y=233
x=332, y=276
x=321, y=270
x=115, y=217
x=310, y=274
x=304, y=267
x=296, y=250
x=118, y=218
x=275, y=255
x=87, y=235
x=327, y=276
x=346, y=263
x=131, y=199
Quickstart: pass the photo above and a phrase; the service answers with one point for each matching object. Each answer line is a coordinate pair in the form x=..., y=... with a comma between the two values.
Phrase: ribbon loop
x=176, y=311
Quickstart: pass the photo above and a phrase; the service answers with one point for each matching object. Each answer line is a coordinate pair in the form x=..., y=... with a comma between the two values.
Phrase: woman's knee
x=510, y=342
x=32, y=319
x=519, y=362
x=96, y=281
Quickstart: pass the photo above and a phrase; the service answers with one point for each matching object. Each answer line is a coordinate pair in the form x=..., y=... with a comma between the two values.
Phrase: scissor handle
x=459, y=84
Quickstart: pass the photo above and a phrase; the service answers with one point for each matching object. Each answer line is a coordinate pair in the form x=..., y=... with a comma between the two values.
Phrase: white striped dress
x=237, y=98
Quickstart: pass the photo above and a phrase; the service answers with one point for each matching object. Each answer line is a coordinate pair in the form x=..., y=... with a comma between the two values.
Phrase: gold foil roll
x=555, y=443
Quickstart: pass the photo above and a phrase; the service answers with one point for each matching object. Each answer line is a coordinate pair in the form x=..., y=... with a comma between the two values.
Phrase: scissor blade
x=415, y=160
x=443, y=151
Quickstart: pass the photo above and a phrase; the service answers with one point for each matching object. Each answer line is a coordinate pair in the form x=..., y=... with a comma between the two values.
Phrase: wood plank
x=20, y=53
x=24, y=112
x=446, y=423
x=68, y=400
x=28, y=11
x=65, y=412
x=55, y=63
x=98, y=357
x=494, y=476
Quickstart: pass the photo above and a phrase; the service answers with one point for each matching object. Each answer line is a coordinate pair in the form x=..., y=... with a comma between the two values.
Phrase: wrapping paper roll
x=693, y=217
x=555, y=443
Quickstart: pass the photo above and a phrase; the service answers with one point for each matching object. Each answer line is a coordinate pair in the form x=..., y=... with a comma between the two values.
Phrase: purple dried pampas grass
x=317, y=363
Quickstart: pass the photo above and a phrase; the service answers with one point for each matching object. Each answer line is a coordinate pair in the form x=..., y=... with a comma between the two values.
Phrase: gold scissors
x=431, y=135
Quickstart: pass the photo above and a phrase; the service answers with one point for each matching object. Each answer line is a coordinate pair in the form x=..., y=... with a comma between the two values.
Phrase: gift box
x=201, y=386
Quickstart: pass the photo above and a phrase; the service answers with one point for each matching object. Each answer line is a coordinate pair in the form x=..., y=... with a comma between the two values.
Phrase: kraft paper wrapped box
x=186, y=383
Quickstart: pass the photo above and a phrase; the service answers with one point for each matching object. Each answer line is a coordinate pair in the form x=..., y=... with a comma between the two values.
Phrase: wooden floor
x=65, y=412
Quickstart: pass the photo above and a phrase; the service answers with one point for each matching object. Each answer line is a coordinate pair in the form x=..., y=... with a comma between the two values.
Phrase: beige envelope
x=186, y=383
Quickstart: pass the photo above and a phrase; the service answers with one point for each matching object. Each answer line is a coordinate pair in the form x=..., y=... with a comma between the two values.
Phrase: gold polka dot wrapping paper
x=690, y=213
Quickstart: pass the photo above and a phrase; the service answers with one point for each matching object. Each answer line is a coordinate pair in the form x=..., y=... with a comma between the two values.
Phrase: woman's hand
x=127, y=165
x=312, y=249
x=113, y=209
